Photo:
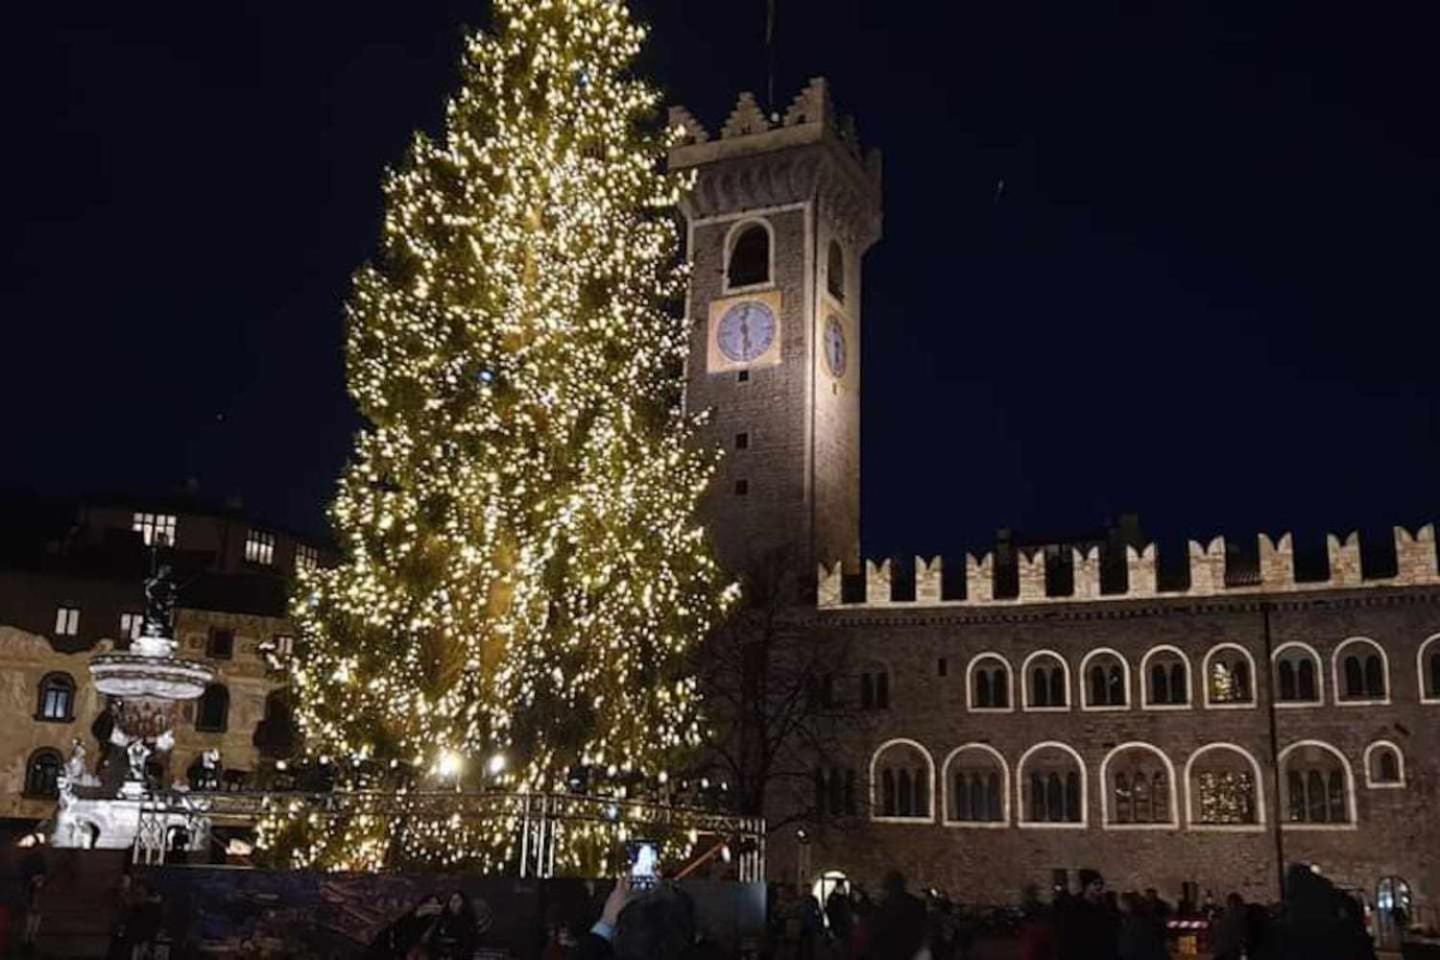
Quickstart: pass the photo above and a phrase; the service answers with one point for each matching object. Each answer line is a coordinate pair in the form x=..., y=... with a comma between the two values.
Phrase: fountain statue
x=146, y=686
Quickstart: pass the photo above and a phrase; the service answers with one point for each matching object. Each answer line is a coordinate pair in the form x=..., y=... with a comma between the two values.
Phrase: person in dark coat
x=653, y=924
x=454, y=934
x=1088, y=928
x=1321, y=923
x=838, y=915
x=1139, y=937
x=898, y=925
x=397, y=940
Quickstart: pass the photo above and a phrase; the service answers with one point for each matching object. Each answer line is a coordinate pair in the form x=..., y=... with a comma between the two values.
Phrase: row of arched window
x=1360, y=671
x=1220, y=785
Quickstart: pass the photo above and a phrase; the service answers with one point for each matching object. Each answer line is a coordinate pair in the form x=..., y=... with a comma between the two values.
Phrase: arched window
x=835, y=272
x=42, y=774
x=57, y=699
x=901, y=773
x=977, y=786
x=1384, y=765
x=1137, y=779
x=1223, y=788
x=1051, y=779
x=1107, y=680
x=1316, y=784
x=1168, y=672
x=1360, y=672
x=212, y=713
x=988, y=679
x=749, y=256
x=1297, y=675
x=1427, y=662
x=1045, y=681
x=1229, y=670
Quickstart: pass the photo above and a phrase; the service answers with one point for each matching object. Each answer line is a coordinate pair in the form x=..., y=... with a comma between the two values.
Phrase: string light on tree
x=523, y=575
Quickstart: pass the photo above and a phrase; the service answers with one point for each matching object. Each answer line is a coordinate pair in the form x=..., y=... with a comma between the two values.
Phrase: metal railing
x=535, y=815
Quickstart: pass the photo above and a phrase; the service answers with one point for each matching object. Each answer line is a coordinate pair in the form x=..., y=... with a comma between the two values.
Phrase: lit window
x=306, y=558
x=260, y=547
x=132, y=625
x=57, y=698
x=67, y=621
x=156, y=529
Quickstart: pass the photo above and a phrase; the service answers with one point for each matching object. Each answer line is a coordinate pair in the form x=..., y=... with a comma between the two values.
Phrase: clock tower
x=781, y=214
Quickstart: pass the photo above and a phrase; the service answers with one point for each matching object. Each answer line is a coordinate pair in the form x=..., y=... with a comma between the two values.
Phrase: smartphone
x=644, y=863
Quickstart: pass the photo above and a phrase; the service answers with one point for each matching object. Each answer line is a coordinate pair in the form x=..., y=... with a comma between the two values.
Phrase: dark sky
x=1207, y=292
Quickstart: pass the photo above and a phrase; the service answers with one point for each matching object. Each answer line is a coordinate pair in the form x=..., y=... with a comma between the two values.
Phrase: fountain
x=146, y=684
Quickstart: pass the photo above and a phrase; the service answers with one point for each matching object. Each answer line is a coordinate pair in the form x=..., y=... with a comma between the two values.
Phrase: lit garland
x=523, y=573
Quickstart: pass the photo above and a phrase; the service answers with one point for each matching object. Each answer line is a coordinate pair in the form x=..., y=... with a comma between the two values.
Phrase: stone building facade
x=71, y=587
x=1015, y=716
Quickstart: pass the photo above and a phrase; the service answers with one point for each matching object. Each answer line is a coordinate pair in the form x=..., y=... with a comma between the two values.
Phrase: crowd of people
x=1316, y=921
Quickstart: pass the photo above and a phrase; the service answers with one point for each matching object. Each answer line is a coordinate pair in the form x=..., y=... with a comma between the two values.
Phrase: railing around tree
x=537, y=815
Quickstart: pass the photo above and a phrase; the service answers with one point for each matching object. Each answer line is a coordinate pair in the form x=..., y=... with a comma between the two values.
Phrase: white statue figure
x=210, y=769
x=165, y=742
x=137, y=753
x=75, y=766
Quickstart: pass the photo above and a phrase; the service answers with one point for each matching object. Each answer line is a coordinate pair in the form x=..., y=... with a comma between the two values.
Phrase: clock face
x=835, y=346
x=746, y=331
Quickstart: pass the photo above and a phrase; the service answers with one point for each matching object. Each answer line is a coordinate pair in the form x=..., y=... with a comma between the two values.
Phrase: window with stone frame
x=1228, y=677
x=1222, y=788
x=57, y=698
x=989, y=683
x=1430, y=668
x=1047, y=686
x=1384, y=765
x=1362, y=671
x=975, y=787
x=42, y=774
x=1051, y=788
x=1313, y=787
x=1105, y=683
x=1139, y=788
x=1167, y=679
x=1297, y=675
x=903, y=783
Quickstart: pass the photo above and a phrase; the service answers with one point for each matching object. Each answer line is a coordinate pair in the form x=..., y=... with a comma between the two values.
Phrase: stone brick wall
x=1394, y=830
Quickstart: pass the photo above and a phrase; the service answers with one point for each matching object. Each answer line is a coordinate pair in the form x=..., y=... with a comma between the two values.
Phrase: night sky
x=1207, y=291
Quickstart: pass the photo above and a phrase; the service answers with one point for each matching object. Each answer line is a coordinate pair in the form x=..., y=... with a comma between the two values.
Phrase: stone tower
x=779, y=220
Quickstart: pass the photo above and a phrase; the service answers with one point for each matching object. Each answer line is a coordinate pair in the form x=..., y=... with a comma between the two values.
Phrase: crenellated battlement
x=1214, y=570
x=824, y=158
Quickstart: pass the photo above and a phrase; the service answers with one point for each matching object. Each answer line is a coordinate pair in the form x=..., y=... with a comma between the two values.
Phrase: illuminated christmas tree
x=522, y=574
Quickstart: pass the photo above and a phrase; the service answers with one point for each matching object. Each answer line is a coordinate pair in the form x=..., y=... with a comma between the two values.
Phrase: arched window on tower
x=750, y=257
x=1167, y=674
x=835, y=272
